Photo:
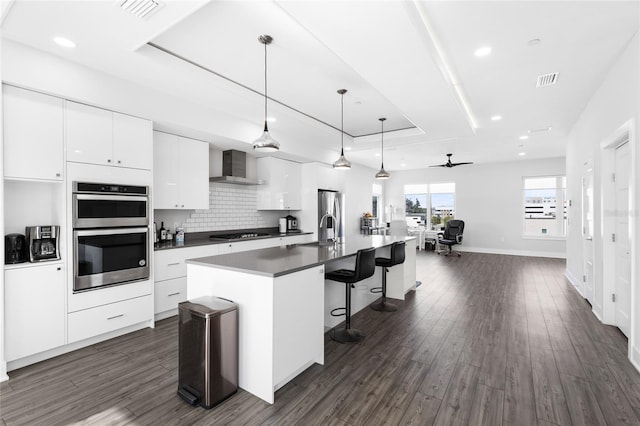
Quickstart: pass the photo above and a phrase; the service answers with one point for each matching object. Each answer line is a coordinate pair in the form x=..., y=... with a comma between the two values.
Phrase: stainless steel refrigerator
x=331, y=213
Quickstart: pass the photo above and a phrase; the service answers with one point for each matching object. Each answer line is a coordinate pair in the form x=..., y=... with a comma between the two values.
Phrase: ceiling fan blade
x=439, y=165
x=461, y=164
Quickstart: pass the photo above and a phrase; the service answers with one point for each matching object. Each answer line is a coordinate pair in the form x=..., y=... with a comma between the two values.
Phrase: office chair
x=452, y=235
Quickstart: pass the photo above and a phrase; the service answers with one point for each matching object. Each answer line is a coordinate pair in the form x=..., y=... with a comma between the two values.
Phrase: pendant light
x=265, y=143
x=342, y=162
x=382, y=174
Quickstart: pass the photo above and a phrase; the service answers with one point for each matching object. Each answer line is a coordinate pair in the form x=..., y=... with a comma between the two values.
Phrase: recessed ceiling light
x=523, y=137
x=483, y=51
x=522, y=154
x=533, y=42
x=496, y=118
x=64, y=42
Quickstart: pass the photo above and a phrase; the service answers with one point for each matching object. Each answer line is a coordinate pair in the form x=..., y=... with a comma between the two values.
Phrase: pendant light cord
x=342, y=124
x=382, y=134
x=265, y=88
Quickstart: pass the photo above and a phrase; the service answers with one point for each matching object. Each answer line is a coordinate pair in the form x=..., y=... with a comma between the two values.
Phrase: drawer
x=103, y=319
x=169, y=293
x=169, y=264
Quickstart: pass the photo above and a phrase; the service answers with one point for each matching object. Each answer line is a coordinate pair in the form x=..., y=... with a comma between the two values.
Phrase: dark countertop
x=192, y=239
x=276, y=261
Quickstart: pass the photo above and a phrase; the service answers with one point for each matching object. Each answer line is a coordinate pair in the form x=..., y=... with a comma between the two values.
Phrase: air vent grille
x=547, y=79
x=139, y=8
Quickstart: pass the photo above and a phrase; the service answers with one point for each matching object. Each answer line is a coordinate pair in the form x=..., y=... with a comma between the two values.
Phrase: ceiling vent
x=139, y=8
x=547, y=79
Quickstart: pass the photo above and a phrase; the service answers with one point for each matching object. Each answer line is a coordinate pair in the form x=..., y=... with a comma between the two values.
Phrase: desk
x=435, y=236
x=419, y=233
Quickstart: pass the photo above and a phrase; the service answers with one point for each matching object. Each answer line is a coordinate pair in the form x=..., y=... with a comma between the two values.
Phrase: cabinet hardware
x=173, y=264
x=613, y=297
x=119, y=161
x=173, y=294
x=108, y=160
x=176, y=205
x=59, y=268
x=182, y=205
x=117, y=316
x=57, y=174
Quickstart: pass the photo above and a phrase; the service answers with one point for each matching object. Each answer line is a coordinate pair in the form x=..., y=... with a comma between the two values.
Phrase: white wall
x=611, y=106
x=489, y=198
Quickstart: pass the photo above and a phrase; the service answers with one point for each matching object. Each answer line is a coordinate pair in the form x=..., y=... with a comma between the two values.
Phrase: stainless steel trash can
x=207, y=350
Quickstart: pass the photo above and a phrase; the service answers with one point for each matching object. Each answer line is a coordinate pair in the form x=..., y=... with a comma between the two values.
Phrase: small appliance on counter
x=15, y=249
x=282, y=225
x=43, y=242
x=292, y=224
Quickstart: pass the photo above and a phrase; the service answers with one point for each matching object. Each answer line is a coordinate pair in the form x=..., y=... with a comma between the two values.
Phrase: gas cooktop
x=239, y=236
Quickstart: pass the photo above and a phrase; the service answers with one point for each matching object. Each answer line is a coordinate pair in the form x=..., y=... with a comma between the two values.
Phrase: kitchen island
x=280, y=292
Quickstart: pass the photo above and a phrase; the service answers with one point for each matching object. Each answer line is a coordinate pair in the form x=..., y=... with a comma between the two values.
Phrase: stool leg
x=382, y=305
x=347, y=334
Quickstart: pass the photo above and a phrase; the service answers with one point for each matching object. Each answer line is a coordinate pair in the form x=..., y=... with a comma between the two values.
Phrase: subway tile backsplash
x=230, y=207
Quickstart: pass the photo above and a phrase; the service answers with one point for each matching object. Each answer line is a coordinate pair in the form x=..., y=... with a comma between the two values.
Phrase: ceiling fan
x=449, y=163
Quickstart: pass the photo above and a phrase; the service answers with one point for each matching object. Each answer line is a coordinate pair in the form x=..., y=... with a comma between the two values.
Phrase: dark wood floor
x=486, y=339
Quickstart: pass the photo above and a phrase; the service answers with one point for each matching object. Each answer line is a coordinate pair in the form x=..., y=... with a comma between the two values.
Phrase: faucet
x=335, y=221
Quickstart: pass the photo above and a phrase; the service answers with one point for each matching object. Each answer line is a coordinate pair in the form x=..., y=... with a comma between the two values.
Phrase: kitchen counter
x=277, y=261
x=280, y=292
x=193, y=239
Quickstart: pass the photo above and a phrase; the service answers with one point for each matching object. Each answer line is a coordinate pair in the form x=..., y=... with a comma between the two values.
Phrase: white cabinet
x=283, y=189
x=328, y=177
x=33, y=135
x=99, y=136
x=34, y=309
x=181, y=172
x=103, y=319
x=170, y=274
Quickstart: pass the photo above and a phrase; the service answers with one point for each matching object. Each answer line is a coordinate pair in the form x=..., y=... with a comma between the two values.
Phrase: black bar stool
x=364, y=268
x=396, y=257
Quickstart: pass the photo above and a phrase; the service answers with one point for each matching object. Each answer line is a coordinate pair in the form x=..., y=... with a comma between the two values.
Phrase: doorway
x=622, y=239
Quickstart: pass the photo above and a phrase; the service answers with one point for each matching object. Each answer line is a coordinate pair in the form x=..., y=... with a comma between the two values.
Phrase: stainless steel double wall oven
x=110, y=234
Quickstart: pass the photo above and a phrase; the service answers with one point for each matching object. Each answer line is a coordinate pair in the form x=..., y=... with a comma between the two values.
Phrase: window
x=431, y=205
x=376, y=201
x=545, y=209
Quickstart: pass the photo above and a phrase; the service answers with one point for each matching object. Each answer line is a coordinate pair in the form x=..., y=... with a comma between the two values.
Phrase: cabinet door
x=193, y=167
x=89, y=134
x=34, y=310
x=165, y=171
x=292, y=178
x=132, y=142
x=33, y=135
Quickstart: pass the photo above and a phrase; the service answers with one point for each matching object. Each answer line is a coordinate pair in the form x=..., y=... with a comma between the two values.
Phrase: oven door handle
x=110, y=197
x=111, y=231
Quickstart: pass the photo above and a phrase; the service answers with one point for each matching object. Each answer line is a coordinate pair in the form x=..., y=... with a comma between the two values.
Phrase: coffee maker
x=15, y=249
x=292, y=224
x=43, y=242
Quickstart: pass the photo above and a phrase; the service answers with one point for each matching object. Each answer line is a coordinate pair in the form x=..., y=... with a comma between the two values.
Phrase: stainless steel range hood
x=234, y=169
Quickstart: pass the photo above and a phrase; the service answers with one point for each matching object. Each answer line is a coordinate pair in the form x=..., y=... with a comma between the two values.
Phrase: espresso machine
x=43, y=242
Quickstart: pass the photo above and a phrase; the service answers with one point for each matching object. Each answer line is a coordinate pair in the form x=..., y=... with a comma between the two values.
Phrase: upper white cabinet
x=283, y=189
x=181, y=172
x=33, y=135
x=34, y=309
x=99, y=136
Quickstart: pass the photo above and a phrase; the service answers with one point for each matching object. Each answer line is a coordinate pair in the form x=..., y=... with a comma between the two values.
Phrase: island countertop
x=283, y=260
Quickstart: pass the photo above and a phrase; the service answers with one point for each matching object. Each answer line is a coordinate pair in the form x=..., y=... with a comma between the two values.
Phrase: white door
x=622, y=241
x=587, y=232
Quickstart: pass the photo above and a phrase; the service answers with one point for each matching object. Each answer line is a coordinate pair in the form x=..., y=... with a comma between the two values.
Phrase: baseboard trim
x=511, y=252
x=166, y=314
x=635, y=358
x=52, y=353
x=575, y=283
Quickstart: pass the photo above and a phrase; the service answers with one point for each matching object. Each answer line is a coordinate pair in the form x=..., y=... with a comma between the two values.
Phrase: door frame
x=588, y=170
x=607, y=197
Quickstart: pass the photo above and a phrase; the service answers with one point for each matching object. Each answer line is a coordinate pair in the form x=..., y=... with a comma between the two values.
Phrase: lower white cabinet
x=103, y=319
x=34, y=309
x=169, y=293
